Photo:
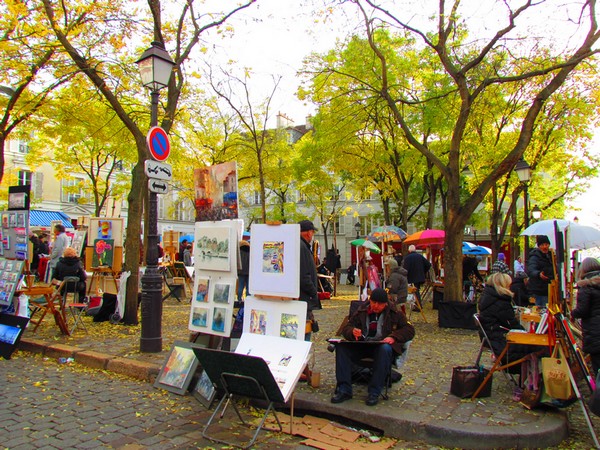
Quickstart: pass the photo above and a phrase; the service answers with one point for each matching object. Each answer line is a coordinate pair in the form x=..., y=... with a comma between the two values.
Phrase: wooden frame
x=179, y=368
x=275, y=260
x=204, y=391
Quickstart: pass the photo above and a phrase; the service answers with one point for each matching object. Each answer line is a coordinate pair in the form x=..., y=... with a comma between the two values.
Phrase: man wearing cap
x=500, y=266
x=376, y=320
x=308, y=271
x=540, y=271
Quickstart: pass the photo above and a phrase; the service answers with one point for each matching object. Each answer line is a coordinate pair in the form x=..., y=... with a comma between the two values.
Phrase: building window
x=71, y=191
x=256, y=199
x=161, y=207
x=23, y=147
x=301, y=197
x=24, y=177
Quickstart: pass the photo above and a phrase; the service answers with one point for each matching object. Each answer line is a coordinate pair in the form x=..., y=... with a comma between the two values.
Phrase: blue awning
x=39, y=218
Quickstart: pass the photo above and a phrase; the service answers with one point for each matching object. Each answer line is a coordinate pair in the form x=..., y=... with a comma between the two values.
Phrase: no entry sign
x=158, y=143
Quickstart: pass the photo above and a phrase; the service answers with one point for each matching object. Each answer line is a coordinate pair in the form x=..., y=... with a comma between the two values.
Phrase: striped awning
x=39, y=218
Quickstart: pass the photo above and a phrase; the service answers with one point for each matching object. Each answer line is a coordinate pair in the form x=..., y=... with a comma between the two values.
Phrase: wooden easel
x=99, y=273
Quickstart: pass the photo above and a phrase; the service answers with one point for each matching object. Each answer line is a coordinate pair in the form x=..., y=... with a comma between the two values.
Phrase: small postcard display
x=10, y=276
x=215, y=264
x=14, y=234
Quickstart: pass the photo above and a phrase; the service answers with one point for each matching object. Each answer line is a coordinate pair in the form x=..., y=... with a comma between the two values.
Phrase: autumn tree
x=469, y=72
x=95, y=37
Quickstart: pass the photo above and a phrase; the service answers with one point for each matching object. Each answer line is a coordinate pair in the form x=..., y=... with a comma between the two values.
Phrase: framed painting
x=275, y=260
x=215, y=189
x=204, y=390
x=222, y=291
x=215, y=247
x=103, y=253
x=179, y=368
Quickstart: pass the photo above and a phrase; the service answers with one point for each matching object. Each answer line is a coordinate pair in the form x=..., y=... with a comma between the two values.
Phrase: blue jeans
x=242, y=283
x=348, y=354
x=541, y=300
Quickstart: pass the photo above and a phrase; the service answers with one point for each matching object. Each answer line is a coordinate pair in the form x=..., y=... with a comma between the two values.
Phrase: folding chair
x=51, y=301
x=76, y=307
x=486, y=344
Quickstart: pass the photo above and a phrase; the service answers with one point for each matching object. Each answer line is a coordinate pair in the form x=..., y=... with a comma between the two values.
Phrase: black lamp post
x=155, y=68
x=357, y=227
x=523, y=171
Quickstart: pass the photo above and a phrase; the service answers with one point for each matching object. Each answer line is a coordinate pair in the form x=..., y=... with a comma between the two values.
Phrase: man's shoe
x=372, y=400
x=340, y=397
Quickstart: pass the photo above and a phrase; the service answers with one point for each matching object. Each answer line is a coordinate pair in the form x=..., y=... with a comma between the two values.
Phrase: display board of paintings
x=10, y=276
x=285, y=319
x=212, y=305
x=275, y=260
x=14, y=234
x=286, y=358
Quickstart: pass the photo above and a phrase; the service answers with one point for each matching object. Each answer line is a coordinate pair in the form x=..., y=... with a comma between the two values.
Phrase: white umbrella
x=579, y=236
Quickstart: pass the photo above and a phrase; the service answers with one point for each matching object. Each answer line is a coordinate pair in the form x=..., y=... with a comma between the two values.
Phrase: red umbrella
x=426, y=237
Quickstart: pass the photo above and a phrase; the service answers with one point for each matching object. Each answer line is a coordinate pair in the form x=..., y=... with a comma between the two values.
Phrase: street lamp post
x=536, y=213
x=155, y=69
x=524, y=173
x=357, y=227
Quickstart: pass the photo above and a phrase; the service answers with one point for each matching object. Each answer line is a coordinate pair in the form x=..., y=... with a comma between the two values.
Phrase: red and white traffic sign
x=158, y=143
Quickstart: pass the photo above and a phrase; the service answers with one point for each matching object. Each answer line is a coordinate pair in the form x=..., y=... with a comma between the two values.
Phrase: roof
x=39, y=218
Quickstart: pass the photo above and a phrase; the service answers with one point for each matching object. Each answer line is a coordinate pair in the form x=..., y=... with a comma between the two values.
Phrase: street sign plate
x=158, y=143
x=158, y=170
x=158, y=186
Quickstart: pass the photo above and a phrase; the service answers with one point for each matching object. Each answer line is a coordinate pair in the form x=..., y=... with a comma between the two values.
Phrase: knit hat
x=306, y=225
x=500, y=256
x=379, y=296
x=542, y=239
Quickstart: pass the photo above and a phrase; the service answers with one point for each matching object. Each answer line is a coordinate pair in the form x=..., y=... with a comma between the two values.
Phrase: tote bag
x=555, y=372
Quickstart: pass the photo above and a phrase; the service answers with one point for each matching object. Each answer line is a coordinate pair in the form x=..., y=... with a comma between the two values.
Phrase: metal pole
x=151, y=335
x=526, y=220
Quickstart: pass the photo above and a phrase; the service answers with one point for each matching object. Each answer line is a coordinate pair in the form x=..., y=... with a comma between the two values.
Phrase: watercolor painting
x=289, y=326
x=212, y=249
x=202, y=290
x=218, y=321
x=200, y=317
x=273, y=257
x=258, y=322
x=222, y=292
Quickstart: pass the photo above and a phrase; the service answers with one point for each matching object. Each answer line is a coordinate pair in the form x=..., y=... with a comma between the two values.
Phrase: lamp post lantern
x=536, y=213
x=155, y=67
x=357, y=227
x=523, y=171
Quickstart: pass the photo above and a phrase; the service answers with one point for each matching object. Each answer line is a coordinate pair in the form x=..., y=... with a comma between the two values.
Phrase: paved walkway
x=420, y=407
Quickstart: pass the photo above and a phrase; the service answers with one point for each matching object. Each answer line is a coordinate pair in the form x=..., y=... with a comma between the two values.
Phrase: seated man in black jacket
x=377, y=320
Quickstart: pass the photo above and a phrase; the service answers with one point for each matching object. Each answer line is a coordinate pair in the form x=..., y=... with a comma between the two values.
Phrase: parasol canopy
x=387, y=233
x=477, y=250
x=426, y=237
x=367, y=244
x=579, y=236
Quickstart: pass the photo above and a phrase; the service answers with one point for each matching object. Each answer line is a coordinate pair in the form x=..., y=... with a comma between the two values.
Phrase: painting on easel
x=103, y=253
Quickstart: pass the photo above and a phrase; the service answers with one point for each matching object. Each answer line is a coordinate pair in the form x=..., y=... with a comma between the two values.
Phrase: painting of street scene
x=273, y=257
x=212, y=248
x=215, y=190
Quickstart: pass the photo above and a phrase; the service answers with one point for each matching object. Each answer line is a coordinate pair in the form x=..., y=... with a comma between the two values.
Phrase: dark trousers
x=242, y=283
x=346, y=355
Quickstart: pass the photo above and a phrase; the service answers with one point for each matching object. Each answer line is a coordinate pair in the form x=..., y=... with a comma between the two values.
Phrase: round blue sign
x=158, y=143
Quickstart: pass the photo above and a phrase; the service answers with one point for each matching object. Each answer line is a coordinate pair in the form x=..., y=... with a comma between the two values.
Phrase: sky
x=274, y=36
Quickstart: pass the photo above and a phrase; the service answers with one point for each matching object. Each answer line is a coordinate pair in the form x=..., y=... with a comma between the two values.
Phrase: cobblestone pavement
x=420, y=407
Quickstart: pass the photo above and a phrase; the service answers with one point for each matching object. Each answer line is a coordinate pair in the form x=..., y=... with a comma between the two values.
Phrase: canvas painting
x=204, y=391
x=215, y=189
x=220, y=316
x=202, y=285
x=222, y=292
x=199, y=317
x=103, y=253
x=103, y=228
x=213, y=249
x=178, y=370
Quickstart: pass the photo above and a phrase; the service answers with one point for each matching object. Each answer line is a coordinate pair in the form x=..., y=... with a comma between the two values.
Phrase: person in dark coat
x=376, y=320
x=417, y=267
x=519, y=289
x=497, y=317
x=540, y=271
x=588, y=309
x=308, y=272
x=35, y=253
x=397, y=284
x=244, y=271
x=69, y=265
x=182, y=246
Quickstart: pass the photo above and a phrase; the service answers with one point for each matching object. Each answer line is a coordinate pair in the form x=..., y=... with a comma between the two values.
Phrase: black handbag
x=466, y=380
